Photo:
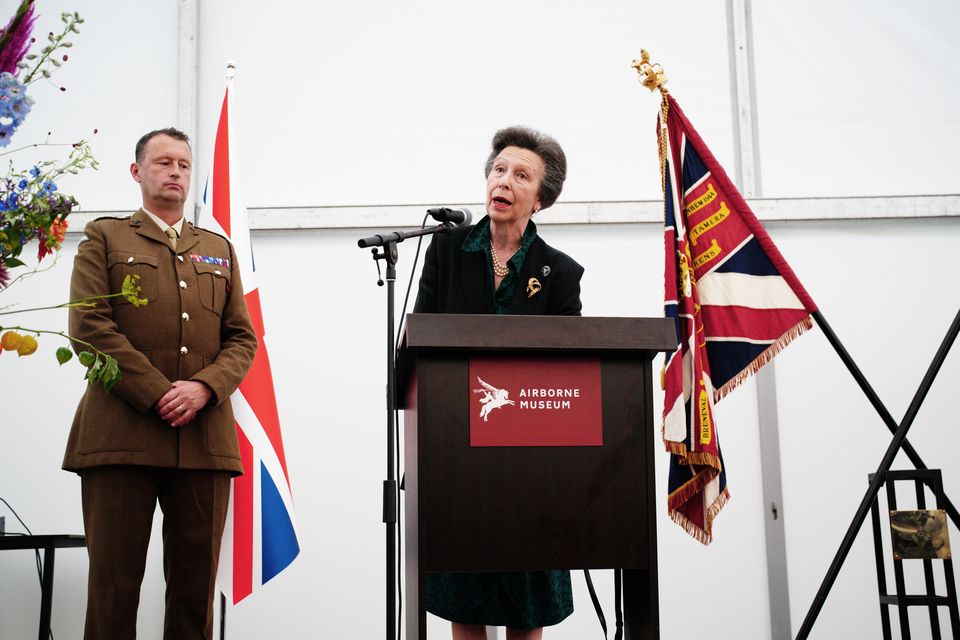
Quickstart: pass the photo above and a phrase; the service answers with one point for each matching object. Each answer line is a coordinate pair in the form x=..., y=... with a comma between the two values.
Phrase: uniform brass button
x=185, y=316
x=130, y=259
x=184, y=351
x=183, y=285
x=180, y=258
x=217, y=271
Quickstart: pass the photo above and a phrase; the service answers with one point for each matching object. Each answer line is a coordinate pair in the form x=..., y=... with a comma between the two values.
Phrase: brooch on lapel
x=545, y=271
x=533, y=287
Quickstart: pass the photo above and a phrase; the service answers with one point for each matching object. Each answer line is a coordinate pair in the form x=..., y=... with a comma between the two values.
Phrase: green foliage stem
x=102, y=368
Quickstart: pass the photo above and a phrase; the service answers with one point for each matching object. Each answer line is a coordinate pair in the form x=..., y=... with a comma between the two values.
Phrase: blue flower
x=49, y=187
x=22, y=184
x=14, y=106
x=35, y=172
x=12, y=200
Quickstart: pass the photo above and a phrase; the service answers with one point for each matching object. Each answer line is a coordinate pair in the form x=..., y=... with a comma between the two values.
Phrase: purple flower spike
x=15, y=38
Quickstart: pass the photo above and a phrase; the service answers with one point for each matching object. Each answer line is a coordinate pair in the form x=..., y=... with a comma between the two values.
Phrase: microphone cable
x=399, y=447
x=413, y=270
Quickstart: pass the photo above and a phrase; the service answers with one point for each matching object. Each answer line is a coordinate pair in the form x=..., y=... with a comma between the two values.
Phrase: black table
x=49, y=544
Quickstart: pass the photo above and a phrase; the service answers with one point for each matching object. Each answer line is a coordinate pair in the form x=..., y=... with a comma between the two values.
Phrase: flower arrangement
x=30, y=204
x=32, y=208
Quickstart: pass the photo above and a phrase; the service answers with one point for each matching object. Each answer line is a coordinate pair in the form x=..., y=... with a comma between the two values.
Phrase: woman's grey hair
x=541, y=144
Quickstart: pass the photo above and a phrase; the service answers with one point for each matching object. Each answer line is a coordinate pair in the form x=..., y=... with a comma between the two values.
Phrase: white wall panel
x=120, y=79
x=372, y=102
x=857, y=98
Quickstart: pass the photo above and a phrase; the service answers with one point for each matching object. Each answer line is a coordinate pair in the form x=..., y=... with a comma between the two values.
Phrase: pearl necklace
x=500, y=270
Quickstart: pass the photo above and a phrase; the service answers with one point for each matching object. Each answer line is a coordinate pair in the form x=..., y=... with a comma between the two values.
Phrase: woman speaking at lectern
x=501, y=266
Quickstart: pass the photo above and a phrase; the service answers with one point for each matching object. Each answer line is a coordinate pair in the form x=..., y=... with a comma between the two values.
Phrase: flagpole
x=231, y=72
x=257, y=543
x=877, y=404
x=879, y=477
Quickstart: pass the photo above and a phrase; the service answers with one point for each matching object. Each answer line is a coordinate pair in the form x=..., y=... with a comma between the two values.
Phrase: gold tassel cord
x=649, y=78
x=653, y=77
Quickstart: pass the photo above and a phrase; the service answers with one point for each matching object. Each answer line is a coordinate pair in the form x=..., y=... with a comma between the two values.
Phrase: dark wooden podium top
x=541, y=333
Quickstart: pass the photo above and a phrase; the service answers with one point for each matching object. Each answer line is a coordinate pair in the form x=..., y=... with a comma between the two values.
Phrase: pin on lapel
x=545, y=271
x=533, y=287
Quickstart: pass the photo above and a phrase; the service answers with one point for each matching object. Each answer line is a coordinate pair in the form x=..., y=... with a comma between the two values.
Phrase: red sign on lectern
x=524, y=402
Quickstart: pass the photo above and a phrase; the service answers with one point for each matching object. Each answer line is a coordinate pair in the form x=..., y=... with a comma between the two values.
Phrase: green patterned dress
x=518, y=599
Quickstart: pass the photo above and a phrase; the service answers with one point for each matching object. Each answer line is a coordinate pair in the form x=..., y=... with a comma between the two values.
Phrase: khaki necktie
x=172, y=234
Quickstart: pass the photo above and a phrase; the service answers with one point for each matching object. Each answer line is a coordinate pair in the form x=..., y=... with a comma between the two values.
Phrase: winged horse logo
x=493, y=398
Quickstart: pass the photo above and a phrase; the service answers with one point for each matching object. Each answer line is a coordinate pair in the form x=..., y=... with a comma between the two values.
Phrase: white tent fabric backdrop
x=382, y=104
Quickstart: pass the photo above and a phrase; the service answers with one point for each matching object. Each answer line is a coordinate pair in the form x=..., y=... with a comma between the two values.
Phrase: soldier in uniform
x=165, y=433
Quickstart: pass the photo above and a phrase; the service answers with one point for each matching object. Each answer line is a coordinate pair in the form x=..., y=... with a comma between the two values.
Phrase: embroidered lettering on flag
x=735, y=301
x=260, y=536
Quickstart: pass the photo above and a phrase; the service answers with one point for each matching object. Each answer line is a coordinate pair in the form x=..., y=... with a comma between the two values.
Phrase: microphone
x=459, y=217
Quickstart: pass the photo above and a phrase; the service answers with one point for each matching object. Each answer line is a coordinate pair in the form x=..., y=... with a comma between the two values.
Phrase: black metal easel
x=930, y=479
x=899, y=442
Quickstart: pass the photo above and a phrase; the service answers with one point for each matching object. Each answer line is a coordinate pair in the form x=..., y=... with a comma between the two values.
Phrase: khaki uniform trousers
x=118, y=507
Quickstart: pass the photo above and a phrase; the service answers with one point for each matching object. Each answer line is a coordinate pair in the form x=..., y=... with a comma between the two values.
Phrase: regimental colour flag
x=260, y=537
x=735, y=301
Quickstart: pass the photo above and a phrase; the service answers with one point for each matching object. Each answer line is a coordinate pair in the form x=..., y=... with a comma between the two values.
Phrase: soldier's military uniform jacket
x=195, y=327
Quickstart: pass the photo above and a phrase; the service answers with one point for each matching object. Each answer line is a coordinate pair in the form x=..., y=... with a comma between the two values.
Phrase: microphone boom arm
x=400, y=236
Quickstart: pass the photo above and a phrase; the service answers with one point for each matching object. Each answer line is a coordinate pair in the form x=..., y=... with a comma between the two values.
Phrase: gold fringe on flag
x=705, y=535
x=693, y=530
x=699, y=458
x=702, y=459
x=768, y=354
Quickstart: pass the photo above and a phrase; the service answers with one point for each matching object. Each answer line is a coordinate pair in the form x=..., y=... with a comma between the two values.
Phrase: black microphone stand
x=387, y=252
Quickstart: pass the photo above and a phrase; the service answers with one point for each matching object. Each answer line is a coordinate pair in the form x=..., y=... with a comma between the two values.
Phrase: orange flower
x=58, y=231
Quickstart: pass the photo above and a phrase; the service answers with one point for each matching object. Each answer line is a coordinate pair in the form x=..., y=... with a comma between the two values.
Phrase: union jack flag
x=260, y=537
x=735, y=301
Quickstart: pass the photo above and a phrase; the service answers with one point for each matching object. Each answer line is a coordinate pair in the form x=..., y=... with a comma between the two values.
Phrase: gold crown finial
x=651, y=75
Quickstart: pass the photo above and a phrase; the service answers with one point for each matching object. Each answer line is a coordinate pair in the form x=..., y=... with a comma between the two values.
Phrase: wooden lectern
x=511, y=508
